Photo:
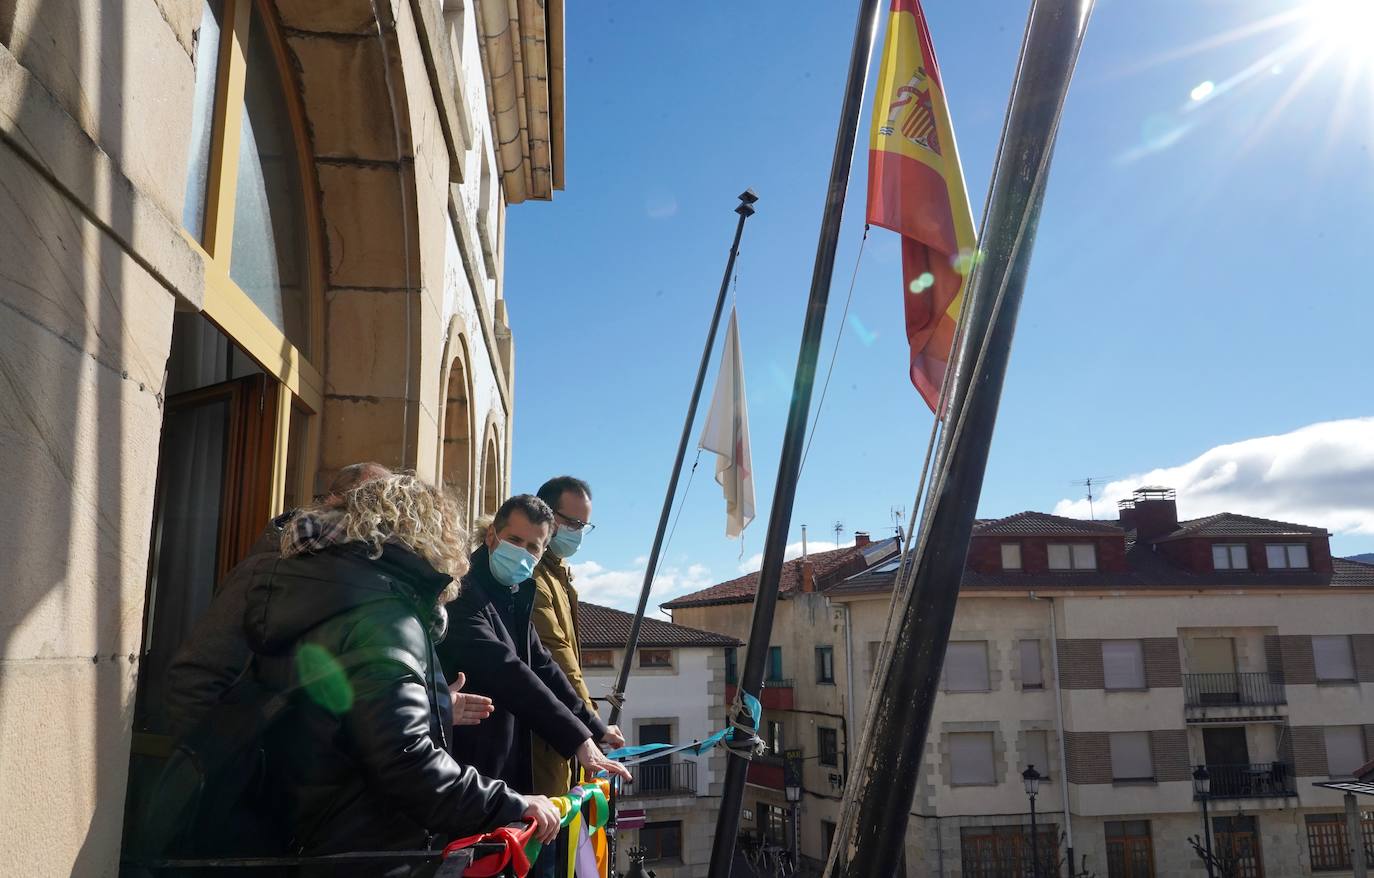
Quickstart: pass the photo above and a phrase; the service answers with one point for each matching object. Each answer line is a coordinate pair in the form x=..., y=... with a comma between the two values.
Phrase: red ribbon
x=513, y=854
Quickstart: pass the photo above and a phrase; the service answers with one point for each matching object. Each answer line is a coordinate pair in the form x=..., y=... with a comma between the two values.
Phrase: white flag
x=726, y=433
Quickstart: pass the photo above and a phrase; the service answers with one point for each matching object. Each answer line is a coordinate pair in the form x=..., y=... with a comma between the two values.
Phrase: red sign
x=626, y=819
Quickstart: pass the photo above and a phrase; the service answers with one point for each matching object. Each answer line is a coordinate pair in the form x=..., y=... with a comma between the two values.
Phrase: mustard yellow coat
x=555, y=618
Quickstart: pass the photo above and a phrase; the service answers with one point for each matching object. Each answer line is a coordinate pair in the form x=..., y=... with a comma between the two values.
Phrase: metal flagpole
x=780, y=517
x=745, y=210
x=878, y=795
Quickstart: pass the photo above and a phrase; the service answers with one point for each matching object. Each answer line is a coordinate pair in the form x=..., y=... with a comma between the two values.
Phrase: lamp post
x=1031, y=778
x=1202, y=785
x=792, y=786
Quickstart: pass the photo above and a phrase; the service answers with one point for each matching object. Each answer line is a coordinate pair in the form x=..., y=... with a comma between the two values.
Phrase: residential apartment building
x=1115, y=657
x=244, y=243
x=676, y=695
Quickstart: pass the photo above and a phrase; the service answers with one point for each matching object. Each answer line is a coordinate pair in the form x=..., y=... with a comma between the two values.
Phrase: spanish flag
x=916, y=188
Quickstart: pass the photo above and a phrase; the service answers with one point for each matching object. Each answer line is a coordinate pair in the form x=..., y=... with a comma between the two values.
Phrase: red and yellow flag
x=916, y=188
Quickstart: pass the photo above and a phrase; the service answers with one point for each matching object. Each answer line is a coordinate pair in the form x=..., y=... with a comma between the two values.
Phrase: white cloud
x=1320, y=475
x=620, y=588
x=793, y=550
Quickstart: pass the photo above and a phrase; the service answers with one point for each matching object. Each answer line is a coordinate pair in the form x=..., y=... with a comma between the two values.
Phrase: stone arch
x=458, y=445
x=353, y=85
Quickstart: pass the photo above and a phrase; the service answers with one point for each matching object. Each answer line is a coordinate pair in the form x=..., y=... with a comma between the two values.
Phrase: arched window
x=251, y=211
x=458, y=430
x=491, y=476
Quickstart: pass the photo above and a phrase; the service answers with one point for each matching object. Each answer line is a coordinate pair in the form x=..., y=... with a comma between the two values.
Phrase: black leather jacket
x=363, y=763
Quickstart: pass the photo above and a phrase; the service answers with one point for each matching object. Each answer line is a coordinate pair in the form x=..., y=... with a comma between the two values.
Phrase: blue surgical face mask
x=564, y=543
x=511, y=565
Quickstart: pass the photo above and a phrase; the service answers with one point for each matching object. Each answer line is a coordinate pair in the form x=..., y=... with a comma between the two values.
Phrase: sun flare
x=1345, y=25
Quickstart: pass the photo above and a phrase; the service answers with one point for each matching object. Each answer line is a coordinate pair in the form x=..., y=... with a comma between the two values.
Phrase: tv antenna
x=838, y=528
x=1088, y=483
x=898, y=516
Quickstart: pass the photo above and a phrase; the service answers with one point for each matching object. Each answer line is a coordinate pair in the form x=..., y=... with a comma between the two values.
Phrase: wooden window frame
x=608, y=653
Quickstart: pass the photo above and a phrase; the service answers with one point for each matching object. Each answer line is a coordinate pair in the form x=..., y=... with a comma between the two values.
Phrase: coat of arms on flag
x=912, y=105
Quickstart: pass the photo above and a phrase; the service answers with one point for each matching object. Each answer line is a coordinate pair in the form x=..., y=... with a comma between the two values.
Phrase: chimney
x=1125, y=510
x=1154, y=512
x=861, y=538
x=808, y=577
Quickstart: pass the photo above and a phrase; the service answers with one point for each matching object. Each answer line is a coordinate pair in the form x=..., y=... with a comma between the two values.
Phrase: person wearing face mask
x=492, y=641
x=555, y=615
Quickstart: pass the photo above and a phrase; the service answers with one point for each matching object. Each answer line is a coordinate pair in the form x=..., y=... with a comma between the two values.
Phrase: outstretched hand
x=592, y=759
x=468, y=710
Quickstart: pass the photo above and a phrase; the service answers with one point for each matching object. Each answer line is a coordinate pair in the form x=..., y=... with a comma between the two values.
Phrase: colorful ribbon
x=644, y=752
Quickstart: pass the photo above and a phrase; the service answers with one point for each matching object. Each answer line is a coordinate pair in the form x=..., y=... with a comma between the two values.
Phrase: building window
x=1073, y=556
x=774, y=737
x=1286, y=556
x=661, y=841
x=998, y=851
x=874, y=648
x=1038, y=752
x=1229, y=556
x=655, y=658
x=1334, y=658
x=1237, y=842
x=970, y=759
x=1131, y=759
x=1345, y=750
x=597, y=658
x=773, y=823
x=828, y=745
x=1123, y=664
x=1129, y=851
x=825, y=664
x=775, y=663
x=966, y=666
x=1328, y=843
x=1011, y=556
x=731, y=665
x=1032, y=672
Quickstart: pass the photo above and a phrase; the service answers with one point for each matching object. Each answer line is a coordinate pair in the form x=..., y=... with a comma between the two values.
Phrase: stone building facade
x=242, y=244
x=1114, y=656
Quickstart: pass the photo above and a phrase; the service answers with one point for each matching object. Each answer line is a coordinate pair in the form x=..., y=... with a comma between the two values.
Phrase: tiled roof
x=1040, y=524
x=1228, y=524
x=604, y=627
x=826, y=566
x=1145, y=570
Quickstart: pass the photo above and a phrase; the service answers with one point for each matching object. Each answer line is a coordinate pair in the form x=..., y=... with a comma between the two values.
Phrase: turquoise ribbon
x=643, y=752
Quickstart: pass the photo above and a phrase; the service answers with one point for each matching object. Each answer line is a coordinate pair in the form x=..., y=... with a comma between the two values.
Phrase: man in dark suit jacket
x=491, y=640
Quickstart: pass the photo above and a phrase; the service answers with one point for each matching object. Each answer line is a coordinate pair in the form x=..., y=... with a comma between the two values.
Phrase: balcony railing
x=1232, y=690
x=675, y=779
x=1263, y=780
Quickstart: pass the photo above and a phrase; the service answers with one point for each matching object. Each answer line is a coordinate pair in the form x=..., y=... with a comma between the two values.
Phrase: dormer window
x=1229, y=556
x=1011, y=556
x=1072, y=556
x=1286, y=556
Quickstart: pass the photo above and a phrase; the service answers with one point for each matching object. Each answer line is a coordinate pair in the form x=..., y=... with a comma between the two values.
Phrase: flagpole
x=745, y=210
x=878, y=795
x=789, y=464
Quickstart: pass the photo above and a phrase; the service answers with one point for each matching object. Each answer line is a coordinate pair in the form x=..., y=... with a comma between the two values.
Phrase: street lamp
x=1202, y=785
x=792, y=787
x=1031, y=778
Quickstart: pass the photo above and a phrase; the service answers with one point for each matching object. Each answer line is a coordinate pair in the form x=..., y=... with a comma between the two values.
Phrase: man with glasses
x=555, y=614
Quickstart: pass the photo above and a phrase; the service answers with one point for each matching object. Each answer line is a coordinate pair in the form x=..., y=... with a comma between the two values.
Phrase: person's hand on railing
x=592, y=759
x=613, y=738
x=545, y=817
x=468, y=710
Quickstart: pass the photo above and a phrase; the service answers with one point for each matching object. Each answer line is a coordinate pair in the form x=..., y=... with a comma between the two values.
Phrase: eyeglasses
x=576, y=524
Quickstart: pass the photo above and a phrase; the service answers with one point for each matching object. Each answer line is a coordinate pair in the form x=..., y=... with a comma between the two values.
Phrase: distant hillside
x=1367, y=557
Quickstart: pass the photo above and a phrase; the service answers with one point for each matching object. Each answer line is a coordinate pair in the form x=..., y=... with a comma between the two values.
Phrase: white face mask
x=564, y=543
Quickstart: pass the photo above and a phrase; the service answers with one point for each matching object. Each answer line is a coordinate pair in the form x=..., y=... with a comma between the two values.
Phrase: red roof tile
x=604, y=627
x=1041, y=524
x=1229, y=524
x=827, y=568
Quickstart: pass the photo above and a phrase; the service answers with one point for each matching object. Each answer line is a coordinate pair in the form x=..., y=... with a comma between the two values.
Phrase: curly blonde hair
x=402, y=508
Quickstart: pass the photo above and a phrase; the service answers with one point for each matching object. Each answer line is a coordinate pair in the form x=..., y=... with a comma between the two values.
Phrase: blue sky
x=1200, y=278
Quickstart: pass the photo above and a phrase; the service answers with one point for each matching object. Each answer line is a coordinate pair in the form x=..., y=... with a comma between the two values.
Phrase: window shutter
x=1131, y=756
x=1038, y=752
x=1345, y=750
x=970, y=755
x=1333, y=657
x=1123, y=664
x=1032, y=674
x=966, y=666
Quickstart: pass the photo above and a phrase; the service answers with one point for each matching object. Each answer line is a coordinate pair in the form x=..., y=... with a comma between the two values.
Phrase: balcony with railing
x=1233, y=690
x=1261, y=780
x=776, y=694
x=654, y=780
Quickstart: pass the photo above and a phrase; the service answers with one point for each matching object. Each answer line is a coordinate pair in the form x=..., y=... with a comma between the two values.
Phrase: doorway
x=1227, y=754
x=1215, y=661
x=655, y=775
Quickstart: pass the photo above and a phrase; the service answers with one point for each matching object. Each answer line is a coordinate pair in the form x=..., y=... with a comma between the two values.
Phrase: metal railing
x=1261, y=780
x=1229, y=690
x=676, y=778
x=778, y=683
